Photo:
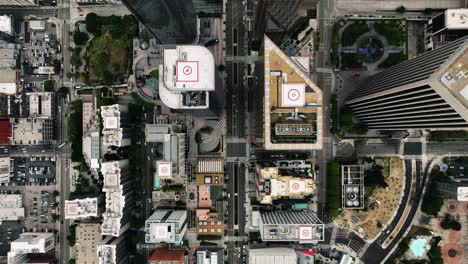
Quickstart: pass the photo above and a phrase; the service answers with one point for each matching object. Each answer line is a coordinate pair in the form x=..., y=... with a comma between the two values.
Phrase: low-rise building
x=352, y=186
x=7, y=56
x=271, y=185
x=6, y=25
x=209, y=223
x=6, y=133
x=186, y=77
x=5, y=170
x=210, y=255
x=88, y=235
x=11, y=207
x=272, y=256
x=462, y=194
x=8, y=81
x=295, y=226
x=28, y=243
x=91, y=150
x=37, y=25
x=166, y=226
x=41, y=105
x=32, y=131
x=164, y=255
x=210, y=172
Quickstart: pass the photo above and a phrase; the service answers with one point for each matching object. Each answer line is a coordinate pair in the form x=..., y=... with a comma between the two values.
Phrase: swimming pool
x=419, y=247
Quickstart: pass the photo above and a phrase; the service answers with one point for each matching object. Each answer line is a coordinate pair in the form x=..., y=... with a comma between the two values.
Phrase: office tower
x=29, y=243
x=119, y=197
x=113, y=250
x=295, y=226
x=447, y=26
x=168, y=226
x=427, y=92
x=115, y=131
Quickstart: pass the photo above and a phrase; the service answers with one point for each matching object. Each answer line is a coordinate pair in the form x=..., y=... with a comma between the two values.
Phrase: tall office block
x=427, y=92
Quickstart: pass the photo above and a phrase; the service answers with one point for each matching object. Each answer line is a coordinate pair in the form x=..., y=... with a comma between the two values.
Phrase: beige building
x=87, y=238
x=7, y=81
x=27, y=131
x=292, y=104
x=272, y=185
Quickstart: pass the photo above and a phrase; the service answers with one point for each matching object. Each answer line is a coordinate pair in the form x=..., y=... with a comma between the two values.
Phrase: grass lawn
x=391, y=30
x=352, y=32
x=335, y=44
x=108, y=53
x=351, y=61
x=333, y=189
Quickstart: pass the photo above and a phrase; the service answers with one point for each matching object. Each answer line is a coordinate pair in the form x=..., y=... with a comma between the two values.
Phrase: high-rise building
x=166, y=226
x=114, y=130
x=447, y=26
x=210, y=255
x=113, y=250
x=292, y=103
x=187, y=76
x=119, y=197
x=426, y=92
x=295, y=226
x=29, y=243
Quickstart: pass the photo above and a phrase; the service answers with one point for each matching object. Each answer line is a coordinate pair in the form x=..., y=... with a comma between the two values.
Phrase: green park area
x=351, y=48
x=442, y=136
x=107, y=56
x=75, y=130
x=333, y=189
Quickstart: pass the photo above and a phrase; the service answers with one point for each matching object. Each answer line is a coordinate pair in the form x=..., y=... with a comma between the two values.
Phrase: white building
x=117, y=188
x=186, y=77
x=166, y=226
x=446, y=26
x=8, y=81
x=112, y=130
x=112, y=250
x=6, y=25
x=462, y=194
x=272, y=256
x=4, y=170
x=41, y=105
x=296, y=226
x=11, y=207
x=91, y=150
x=81, y=208
x=37, y=25
x=30, y=243
x=173, y=161
x=210, y=255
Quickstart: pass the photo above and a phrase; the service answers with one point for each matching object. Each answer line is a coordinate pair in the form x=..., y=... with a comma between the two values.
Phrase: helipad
x=164, y=169
x=293, y=95
x=187, y=71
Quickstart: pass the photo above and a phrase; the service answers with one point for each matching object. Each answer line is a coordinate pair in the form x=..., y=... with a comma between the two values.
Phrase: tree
x=57, y=66
x=71, y=261
x=401, y=9
x=428, y=11
x=83, y=77
x=49, y=85
x=93, y=24
x=80, y=38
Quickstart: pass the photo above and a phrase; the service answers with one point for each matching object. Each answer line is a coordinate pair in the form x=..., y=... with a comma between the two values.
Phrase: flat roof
x=40, y=104
x=5, y=24
x=462, y=194
x=292, y=101
x=189, y=68
x=81, y=208
x=456, y=18
x=5, y=131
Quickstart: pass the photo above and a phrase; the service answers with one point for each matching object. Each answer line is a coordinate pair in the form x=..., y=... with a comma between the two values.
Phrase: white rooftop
x=189, y=68
x=272, y=256
x=210, y=166
x=11, y=207
x=106, y=254
x=31, y=243
x=462, y=194
x=8, y=81
x=5, y=24
x=37, y=24
x=293, y=95
x=164, y=169
x=115, y=199
x=4, y=169
x=456, y=18
x=112, y=132
x=81, y=208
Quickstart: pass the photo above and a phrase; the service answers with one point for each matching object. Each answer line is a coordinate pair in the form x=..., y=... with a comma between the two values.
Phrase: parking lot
x=40, y=206
x=34, y=171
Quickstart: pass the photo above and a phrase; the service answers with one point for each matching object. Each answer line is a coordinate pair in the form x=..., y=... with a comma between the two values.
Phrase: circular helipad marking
x=305, y=233
x=187, y=70
x=164, y=170
x=295, y=186
x=293, y=95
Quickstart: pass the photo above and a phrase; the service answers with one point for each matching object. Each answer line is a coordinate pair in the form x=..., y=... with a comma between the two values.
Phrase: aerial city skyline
x=236, y=132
